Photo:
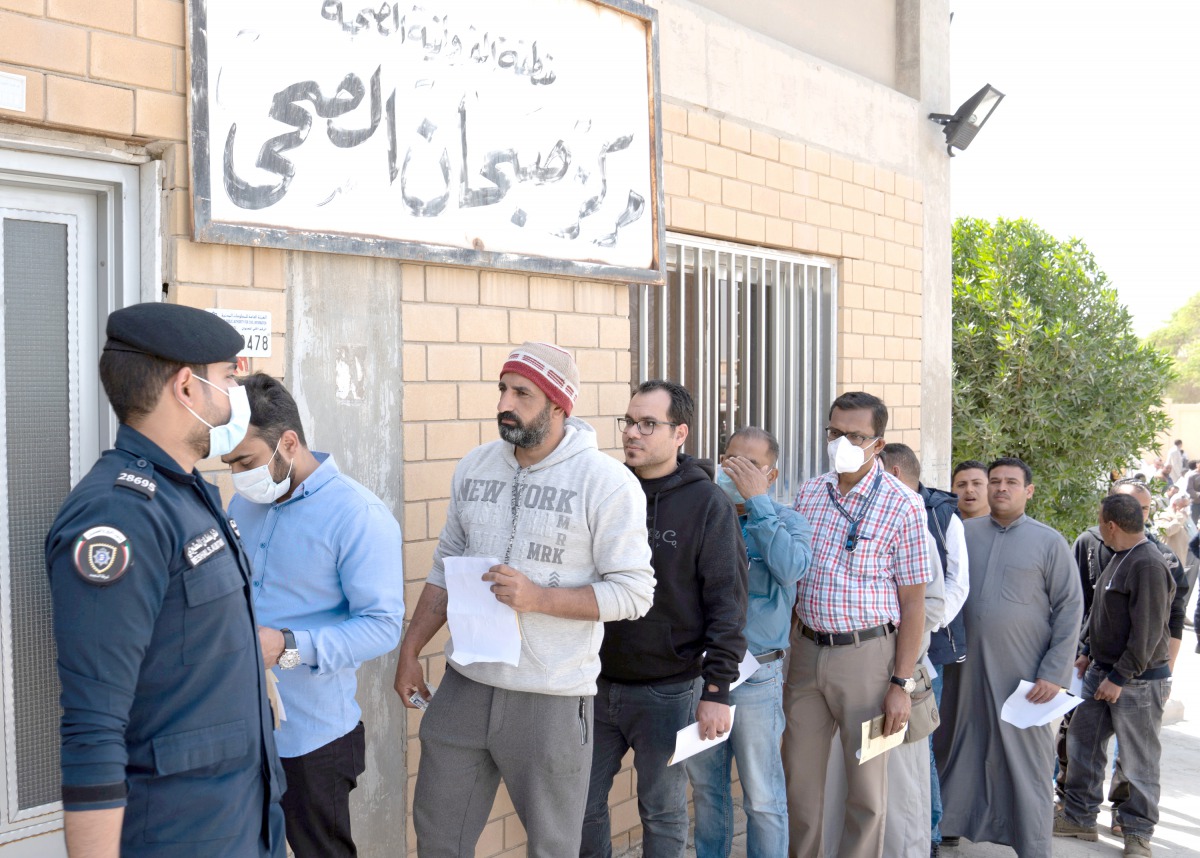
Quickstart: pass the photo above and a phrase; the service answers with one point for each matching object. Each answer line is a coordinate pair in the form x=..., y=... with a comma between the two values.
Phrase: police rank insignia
x=102, y=555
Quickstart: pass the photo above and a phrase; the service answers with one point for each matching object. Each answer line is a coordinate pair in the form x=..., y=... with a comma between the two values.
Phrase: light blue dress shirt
x=328, y=566
x=779, y=544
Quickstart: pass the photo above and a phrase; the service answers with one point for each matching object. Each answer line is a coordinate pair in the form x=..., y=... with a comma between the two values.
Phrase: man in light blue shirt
x=779, y=543
x=328, y=590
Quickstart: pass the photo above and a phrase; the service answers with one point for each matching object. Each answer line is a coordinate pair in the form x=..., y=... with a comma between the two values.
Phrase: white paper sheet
x=1021, y=713
x=871, y=748
x=933, y=674
x=688, y=742
x=482, y=628
x=745, y=670
x=1076, y=686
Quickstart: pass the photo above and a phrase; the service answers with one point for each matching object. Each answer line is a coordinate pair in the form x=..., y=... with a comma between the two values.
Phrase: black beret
x=173, y=332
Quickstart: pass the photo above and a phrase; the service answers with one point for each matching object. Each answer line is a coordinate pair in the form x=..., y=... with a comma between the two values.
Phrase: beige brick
x=864, y=175
x=805, y=182
x=704, y=186
x=161, y=21
x=42, y=44
x=597, y=366
x=482, y=325
x=132, y=61
x=161, y=115
x=429, y=323
x=893, y=253
x=268, y=267
x=514, y=832
x=818, y=161
x=578, y=331
x=201, y=297
x=751, y=227
x=884, y=373
x=524, y=327
x=779, y=232
x=904, y=232
x=885, y=228
x=179, y=214
x=912, y=349
x=491, y=841
x=852, y=195
x=873, y=201
x=779, y=176
x=764, y=201
x=751, y=169
x=918, y=236
x=793, y=153
x=668, y=147
x=852, y=297
x=35, y=102
x=614, y=333
x=764, y=145
x=829, y=242
x=904, y=279
x=914, y=212
x=452, y=363
x=720, y=160
x=841, y=168
x=893, y=207
x=430, y=402
x=704, y=126
x=414, y=440
x=841, y=218
x=913, y=258
x=450, y=441
x=115, y=15
x=735, y=136
x=595, y=297
x=904, y=186
x=259, y=301
x=674, y=118
x=735, y=193
x=28, y=7
x=621, y=296
x=893, y=301
x=548, y=293
x=720, y=221
x=688, y=152
x=852, y=246
x=176, y=167
x=804, y=237
x=215, y=264
x=613, y=399
x=503, y=289
x=412, y=283
x=873, y=249
x=893, y=347
x=675, y=179
x=885, y=180
x=413, y=362
x=864, y=222
x=904, y=329
x=445, y=285
x=816, y=212
x=849, y=346
x=912, y=304
x=181, y=74
x=792, y=207
x=478, y=401
x=686, y=214
x=885, y=276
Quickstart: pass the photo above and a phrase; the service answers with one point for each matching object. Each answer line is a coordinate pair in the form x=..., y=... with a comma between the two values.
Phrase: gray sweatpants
x=474, y=734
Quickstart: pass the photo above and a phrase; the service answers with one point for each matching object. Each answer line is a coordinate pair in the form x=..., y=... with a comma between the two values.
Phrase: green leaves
x=1047, y=366
x=1180, y=338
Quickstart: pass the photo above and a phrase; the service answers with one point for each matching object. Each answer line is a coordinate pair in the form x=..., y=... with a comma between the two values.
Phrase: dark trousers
x=316, y=805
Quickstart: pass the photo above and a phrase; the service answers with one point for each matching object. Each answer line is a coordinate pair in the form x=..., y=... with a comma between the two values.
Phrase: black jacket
x=700, y=564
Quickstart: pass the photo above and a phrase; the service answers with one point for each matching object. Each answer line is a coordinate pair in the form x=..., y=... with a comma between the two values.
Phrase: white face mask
x=222, y=439
x=846, y=457
x=258, y=486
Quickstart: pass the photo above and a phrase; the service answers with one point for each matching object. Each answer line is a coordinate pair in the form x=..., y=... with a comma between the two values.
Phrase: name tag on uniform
x=203, y=547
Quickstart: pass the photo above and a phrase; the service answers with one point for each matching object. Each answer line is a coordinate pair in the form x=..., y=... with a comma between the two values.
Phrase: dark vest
x=949, y=644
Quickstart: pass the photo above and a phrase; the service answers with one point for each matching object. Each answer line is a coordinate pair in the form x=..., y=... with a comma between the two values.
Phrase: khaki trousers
x=830, y=688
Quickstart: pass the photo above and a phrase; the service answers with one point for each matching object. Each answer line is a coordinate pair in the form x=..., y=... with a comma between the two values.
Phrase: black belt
x=768, y=657
x=846, y=638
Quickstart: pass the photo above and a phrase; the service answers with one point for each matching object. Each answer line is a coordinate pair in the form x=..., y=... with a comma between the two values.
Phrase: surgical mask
x=258, y=486
x=725, y=484
x=222, y=439
x=845, y=456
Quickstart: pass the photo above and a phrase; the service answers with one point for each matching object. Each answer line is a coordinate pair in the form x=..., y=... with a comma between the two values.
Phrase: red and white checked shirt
x=846, y=591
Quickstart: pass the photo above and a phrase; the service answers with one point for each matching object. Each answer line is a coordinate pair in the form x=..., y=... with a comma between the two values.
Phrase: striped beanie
x=550, y=368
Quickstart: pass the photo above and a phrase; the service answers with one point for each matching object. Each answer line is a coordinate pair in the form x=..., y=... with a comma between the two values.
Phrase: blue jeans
x=935, y=785
x=754, y=742
x=645, y=718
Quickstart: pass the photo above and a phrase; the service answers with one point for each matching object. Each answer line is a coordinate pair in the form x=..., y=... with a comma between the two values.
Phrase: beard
x=525, y=435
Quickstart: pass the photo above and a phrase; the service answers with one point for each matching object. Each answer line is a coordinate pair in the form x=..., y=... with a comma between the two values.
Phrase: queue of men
x=208, y=658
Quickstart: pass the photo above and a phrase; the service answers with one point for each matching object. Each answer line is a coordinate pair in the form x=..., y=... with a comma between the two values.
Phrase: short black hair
x=903, y=457
x=133, y=381
x=755, y=433
x=860, y=400
x=969, y=465
x=1124, y=511
x=1178, y=442
x=1011, y=462
x=273, y=411
x=682, y=409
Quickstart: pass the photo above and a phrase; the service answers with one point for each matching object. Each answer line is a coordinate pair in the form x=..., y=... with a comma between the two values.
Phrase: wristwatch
x=909, y=685
x=290, y=657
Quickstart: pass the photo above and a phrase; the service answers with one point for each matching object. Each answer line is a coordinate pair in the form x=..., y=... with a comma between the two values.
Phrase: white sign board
x=255, y=328
x=508, y=133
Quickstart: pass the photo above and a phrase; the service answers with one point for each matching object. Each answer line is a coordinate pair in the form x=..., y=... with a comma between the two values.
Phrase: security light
x=961, y=128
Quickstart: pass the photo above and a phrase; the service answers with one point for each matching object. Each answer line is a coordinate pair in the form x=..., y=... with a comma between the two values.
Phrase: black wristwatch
x=909, y=685
x=290, y=657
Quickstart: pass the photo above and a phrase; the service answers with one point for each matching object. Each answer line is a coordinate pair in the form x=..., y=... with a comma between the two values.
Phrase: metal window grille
x=751, y=333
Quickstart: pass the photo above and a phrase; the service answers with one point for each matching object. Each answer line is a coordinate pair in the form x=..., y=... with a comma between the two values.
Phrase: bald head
x=1139, y=492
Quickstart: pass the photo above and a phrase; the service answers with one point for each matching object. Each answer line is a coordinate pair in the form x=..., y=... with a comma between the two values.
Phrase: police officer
x=167, y=745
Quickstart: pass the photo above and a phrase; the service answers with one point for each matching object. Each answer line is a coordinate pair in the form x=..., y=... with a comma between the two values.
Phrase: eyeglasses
x=856, y=438
x=645, y=427
x=852, y=537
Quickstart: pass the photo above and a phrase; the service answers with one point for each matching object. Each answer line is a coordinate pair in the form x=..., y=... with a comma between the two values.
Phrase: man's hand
x=512, y=588
x=1081, y=665
x=746, y=476
x=271, y=641
x=1108, y=691
x=1043, y=691
x=713, y=718
x=409, y=678
x=896, y=707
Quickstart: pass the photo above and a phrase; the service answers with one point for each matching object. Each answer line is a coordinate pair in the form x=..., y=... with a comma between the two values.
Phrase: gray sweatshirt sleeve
x=621, y=554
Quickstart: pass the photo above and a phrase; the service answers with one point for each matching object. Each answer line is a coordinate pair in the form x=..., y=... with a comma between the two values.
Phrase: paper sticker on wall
x=349, y=373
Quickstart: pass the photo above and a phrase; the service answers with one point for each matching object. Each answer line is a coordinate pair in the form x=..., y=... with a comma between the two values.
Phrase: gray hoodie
x=576, y=518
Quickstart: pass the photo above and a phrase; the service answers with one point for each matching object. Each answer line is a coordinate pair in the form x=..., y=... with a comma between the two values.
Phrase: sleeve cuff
x=721, y=695
x=759, y=506
x=306, y=647
x=1116, y=678
x=93, y=796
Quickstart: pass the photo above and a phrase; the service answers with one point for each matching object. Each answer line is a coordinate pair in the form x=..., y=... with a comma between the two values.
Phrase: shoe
x=1114, y=826
x=1064, y=827
x=1135, y=844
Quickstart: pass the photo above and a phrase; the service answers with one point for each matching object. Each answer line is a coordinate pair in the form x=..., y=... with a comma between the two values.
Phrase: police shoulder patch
x=136, y=481
x=102, y=555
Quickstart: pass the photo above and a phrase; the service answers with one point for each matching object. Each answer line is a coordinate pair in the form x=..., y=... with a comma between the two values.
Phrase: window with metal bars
x=751, y=332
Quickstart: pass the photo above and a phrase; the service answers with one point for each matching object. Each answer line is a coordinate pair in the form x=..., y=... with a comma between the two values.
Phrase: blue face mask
x=222, y=439
x=725, y=484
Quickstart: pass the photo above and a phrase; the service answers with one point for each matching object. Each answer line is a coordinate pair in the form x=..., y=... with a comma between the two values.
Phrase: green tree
x=1180, y=338
x=1047, y=366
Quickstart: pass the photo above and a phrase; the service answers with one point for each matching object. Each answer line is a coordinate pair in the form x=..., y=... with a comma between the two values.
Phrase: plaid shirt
x=846, y=591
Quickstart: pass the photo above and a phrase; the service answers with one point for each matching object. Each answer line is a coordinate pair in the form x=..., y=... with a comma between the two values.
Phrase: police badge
x=102, y=555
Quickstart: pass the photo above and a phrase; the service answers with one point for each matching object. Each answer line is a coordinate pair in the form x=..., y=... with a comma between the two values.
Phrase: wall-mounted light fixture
x=961, y=127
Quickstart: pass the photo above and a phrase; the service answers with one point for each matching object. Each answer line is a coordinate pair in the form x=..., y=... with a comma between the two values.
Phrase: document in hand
x=745, y=670
x=688, y=742
x=482, y=628
x=1021, y=713
x=874, y=742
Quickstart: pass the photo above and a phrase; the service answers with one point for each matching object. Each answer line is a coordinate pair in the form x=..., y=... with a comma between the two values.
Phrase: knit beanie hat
x=550, y=368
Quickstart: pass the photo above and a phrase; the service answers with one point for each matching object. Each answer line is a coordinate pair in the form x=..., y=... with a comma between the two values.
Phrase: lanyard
x=852, y=535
